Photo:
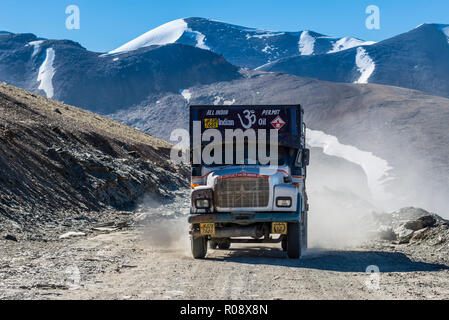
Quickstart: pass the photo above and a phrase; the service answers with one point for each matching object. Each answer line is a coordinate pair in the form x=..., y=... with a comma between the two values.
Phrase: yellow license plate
x=279, y=227
x=207, y=228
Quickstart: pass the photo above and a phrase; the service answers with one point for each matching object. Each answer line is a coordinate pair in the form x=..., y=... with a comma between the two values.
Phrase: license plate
x=279, y=227
x=207, y=228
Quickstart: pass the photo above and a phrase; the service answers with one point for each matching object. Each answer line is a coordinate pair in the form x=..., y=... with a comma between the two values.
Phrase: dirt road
x=128, y=265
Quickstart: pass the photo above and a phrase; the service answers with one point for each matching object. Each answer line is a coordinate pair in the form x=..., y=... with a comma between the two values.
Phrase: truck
x=237, y=196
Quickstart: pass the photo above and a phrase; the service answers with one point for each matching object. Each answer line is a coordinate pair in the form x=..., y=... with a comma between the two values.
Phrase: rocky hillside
x=60, y=164
x=420, y=233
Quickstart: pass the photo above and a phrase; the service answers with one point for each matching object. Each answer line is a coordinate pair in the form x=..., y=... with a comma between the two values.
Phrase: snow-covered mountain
x=65, y=71
x=418, y=59
x=187, y=52
x=242, y=46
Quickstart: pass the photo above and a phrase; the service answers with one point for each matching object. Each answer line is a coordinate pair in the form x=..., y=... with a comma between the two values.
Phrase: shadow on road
x=330, y=260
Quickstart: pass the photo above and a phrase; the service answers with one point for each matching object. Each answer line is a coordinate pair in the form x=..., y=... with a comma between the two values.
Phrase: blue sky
x=107, y=24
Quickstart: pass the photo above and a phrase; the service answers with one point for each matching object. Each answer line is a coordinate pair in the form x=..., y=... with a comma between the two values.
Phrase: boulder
x=10, y=237
x=386, y=233
x=420, y=234
x=420, y=223
x=403, y=234
x=428, y=221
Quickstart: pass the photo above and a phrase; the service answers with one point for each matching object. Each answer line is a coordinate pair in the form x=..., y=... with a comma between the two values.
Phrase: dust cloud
x=163, y=222
x=340, y=203
x=167, y=233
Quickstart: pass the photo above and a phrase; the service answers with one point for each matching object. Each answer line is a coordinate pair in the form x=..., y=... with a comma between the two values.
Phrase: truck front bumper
x=244, y=217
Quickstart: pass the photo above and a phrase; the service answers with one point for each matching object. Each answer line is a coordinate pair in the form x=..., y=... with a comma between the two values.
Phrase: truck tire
x=199, y=247
x=294, y=240
x=213, y=244
x=304, y=233
x=225, y=245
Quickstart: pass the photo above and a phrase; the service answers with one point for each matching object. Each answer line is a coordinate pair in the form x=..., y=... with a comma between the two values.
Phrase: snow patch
x=217, y=100
x=347, y=43
x=46, y=73
x=267, y=48
x=306, y=43
x=375, y=168
x=364, y=64
x=445, y=30
x=264, y=35
x=264, y=65
x=221, y=101
x=164, y=34
x=36, y=47
x=199, y=39
x=186, y=94
x=229, y=102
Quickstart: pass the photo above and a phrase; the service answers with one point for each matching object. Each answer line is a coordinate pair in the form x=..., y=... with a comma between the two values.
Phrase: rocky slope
x=61, y=166
x=420, y=233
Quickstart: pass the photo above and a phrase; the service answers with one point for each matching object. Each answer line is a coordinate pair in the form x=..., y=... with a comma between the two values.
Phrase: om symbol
x=250, y=116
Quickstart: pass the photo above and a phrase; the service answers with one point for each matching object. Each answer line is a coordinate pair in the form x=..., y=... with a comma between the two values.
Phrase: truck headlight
x=202, y=203
x=284, y=202
x=202, y=197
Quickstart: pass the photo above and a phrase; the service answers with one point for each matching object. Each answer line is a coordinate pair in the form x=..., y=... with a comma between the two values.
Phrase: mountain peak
x=425, y=24
x=431, y=27
x=425, y=32
x=167, y=33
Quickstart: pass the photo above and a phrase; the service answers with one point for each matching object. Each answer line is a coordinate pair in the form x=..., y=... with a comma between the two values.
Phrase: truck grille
x=242, y=192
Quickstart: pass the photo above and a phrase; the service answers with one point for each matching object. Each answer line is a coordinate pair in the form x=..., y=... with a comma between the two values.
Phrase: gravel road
x=131, y=265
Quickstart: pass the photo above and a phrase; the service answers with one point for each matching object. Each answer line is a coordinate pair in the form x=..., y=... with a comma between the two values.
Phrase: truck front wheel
x=284, y=243
x=304, y=232
x=293, y=241
x=199, y=247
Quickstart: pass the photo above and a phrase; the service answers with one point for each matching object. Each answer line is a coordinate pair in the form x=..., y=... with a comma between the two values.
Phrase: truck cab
x=248, y=177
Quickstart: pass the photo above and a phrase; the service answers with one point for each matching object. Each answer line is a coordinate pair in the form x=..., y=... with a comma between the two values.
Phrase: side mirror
x=305, y=157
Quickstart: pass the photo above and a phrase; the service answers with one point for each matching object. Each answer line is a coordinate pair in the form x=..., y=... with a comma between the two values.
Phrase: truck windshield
x=286, y=156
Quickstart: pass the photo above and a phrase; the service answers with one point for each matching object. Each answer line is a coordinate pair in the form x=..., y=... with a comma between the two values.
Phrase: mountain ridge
x=413, y=60
x=242, y=46
x=64, y=70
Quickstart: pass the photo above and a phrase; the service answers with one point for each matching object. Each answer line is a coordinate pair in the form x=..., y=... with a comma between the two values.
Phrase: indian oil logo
x=211, y=123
